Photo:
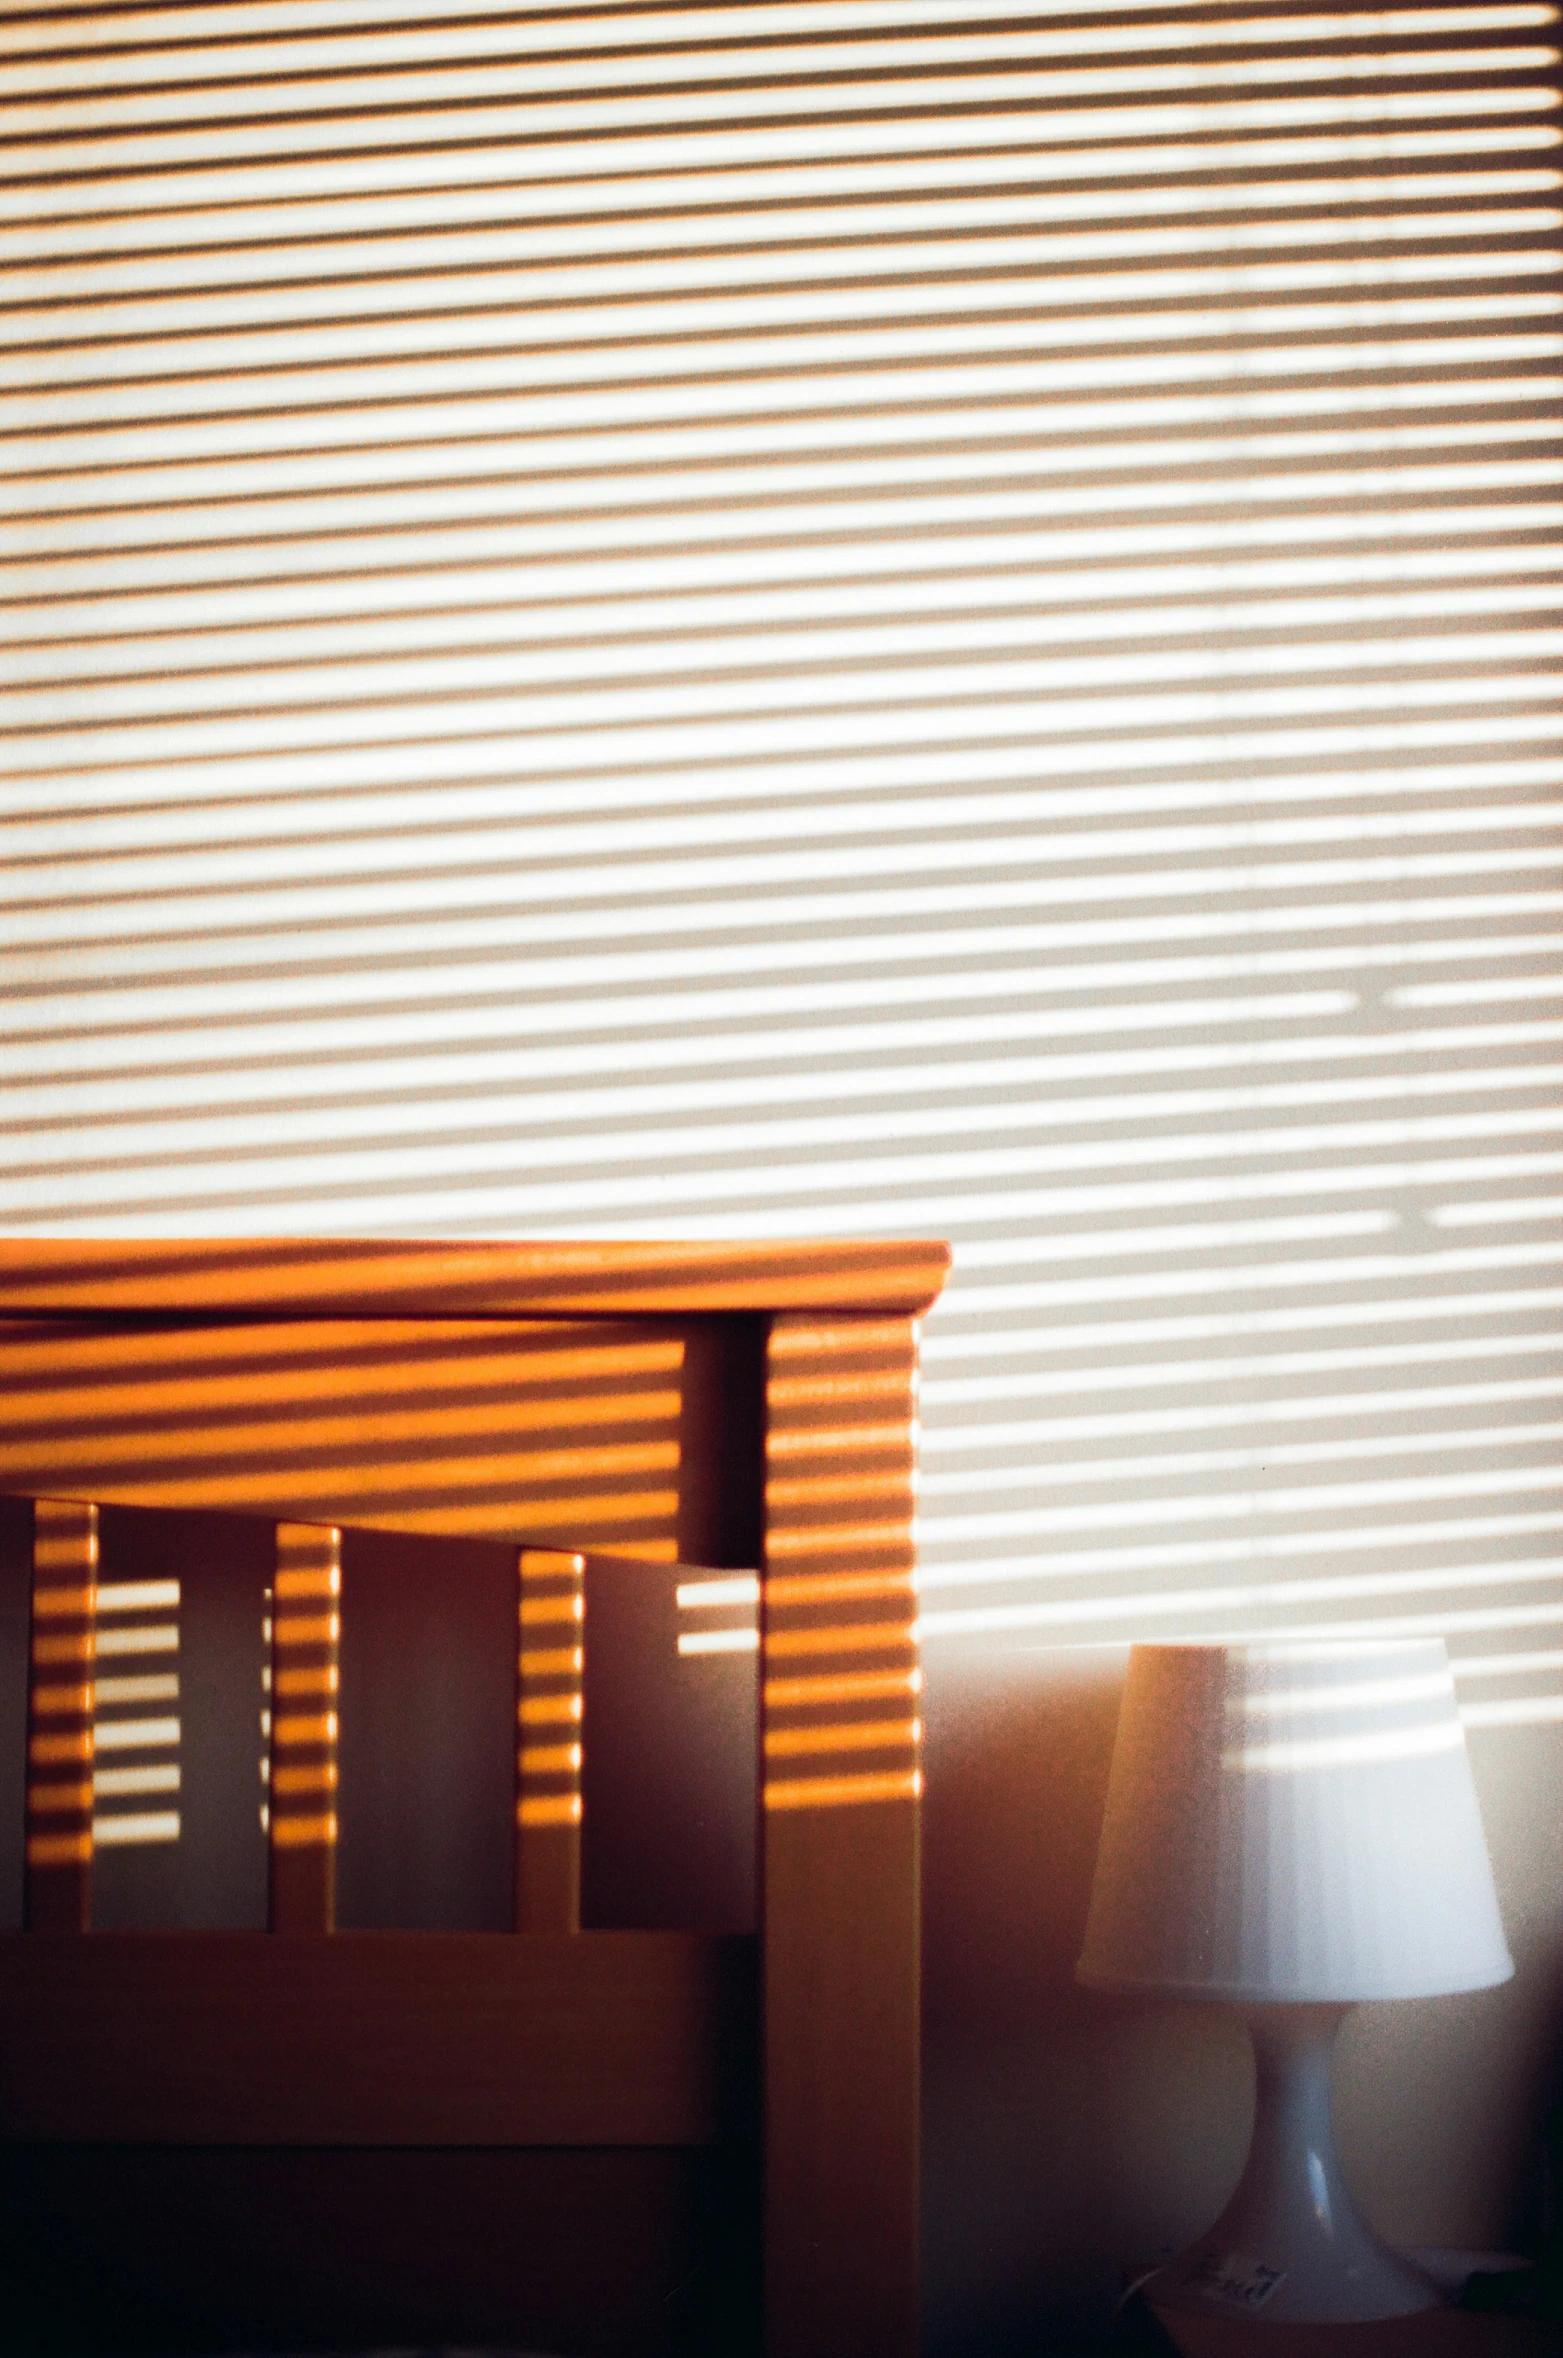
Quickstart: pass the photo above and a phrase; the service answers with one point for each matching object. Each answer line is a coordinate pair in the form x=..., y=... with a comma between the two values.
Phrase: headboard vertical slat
x=306, y=1628
x=549, y=1686
x=60, y=1716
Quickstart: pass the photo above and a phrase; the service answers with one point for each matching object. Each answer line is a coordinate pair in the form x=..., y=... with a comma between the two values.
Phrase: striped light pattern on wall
x=838, y=618
x=136, y=1778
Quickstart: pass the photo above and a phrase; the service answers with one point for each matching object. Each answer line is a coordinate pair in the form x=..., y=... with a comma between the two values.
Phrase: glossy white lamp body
x=1292, y=1830
x=1291, y=2244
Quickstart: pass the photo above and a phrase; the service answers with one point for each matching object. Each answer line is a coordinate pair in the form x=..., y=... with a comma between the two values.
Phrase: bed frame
x=581, y=2141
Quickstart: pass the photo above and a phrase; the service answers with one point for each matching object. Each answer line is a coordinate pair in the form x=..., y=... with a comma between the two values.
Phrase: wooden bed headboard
x=542, y=2105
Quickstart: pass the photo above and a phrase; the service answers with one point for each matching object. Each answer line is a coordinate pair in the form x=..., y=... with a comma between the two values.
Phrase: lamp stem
x=1291, y=2244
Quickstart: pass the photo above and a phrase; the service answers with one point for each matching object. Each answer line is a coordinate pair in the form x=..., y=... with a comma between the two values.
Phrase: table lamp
x=1291, y=1829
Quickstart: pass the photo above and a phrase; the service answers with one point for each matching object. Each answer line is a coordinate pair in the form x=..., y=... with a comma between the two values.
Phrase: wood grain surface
x=841, y=1748
x=365, y=1277
x=433, y=2039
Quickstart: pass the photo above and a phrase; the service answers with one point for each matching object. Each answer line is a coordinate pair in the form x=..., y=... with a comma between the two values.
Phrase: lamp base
x=1292, y=2246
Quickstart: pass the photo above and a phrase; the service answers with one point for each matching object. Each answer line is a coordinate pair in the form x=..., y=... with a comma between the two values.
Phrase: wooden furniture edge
x=362, y=1277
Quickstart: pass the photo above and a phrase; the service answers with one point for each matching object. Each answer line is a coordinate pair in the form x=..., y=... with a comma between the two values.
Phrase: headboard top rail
x=298, y=1277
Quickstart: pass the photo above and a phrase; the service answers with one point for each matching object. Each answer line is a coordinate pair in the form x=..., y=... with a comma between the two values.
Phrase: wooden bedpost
x=840, y=1716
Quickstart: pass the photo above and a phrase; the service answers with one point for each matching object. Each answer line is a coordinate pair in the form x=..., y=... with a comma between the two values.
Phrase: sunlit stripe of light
x=540, y=1759
x=320, y=1679
x=843, y=1440
x=183, y=253
x=1480, y=1215
x=568, y=180
x=1252, y=1369
x=936, y=192
x=977, y=1302
x=1451, y=1623
x=548, y=1710
x=826, y=1539
x=805, y=88
x=730, y=805
x=1360, y=743
x=768, y=41
x=857, y=1638
x=549, y=1809
x=160, y=1637
x=1400, y=1308
x=155, y=1777
x=118, y=1003
x=1331, y=1752
x=1231, y=261
x=146, y=1826
x=718, y=1641
x=134, y=1735
x=1264, y=1550
x=843, y=1792
x=305, y=1728
x=58, y=1850
x=863, y=708
x=61, y=1604
x=47, y=1750
x=157, y=1687
x=575, y=136
x=1476, y=991
x=1219, y=1080
x=878, y=1735
x=136, y=1596
x=310, y=1570
x=1513, y=1712
x=326, y=612
x=536, y=1610
x=301, y=1833
x=1250, y=1501
x=1382, y=876
x=667, y=395
x=1026, y=528
x=65, y=1539
x=696, y=1595
x=1264, y=1594
x=842, y=1686
x=567, y=86
x=966, y=1206
x=1257, y=1456
x=548, y=1661
x=318, y=1777
x=1528, y=1664
x=1351, y=1695
x=837, y=1198
x=581, y=255
x=328, y=1358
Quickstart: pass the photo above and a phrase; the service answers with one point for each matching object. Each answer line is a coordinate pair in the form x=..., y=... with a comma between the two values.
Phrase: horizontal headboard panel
x=414, y=2039
x=637, y=1437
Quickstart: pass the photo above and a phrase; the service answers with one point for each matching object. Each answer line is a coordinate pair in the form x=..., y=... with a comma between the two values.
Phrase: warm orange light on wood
x=60, y=1716
x=306, y=1629
x=549, y=1695
x=587, y=1395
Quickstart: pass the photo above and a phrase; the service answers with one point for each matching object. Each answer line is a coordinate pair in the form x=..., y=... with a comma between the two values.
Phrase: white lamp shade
x=1292, y=1823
